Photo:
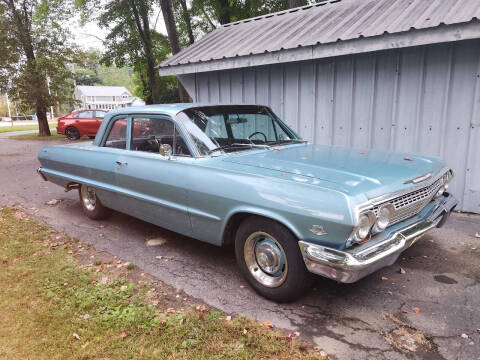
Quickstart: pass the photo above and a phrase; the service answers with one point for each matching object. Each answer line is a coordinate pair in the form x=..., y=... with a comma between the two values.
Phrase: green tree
x=130, y=39
x=33, y=45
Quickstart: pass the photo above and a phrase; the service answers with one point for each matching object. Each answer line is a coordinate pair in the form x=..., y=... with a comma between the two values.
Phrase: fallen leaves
x=203, y=310
x=267, y=324
x=293, y=335
x=384, y=278
x=53, y=202
x=20, y=215
x=416, y=310
x=155, y=242
x=402, y=271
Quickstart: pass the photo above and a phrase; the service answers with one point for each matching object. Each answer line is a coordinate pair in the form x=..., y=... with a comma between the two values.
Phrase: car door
x=101, y=166
x=154, y=185
x=87, y=122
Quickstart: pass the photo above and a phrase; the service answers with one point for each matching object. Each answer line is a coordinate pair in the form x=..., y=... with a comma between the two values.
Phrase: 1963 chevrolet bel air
x=238, y=174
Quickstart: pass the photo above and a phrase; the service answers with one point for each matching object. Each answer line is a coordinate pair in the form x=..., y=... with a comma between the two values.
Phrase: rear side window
x=100, y=114
x=117, y=137
x=85, y=115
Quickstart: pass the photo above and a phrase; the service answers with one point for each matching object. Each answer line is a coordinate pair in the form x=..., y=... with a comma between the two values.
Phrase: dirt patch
x=406, y=338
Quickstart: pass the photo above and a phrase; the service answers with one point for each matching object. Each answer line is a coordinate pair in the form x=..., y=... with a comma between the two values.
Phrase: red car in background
x=80, y=123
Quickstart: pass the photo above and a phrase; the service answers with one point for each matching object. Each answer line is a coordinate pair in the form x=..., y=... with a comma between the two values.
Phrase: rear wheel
x=270, y=260
x=92, y=207
x=72, y=133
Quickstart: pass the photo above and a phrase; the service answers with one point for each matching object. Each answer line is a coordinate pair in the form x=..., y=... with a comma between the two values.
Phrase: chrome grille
x=410, y=204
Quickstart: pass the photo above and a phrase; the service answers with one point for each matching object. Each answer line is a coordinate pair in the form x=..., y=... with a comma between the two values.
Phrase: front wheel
x=270, y=260
x=92, y=207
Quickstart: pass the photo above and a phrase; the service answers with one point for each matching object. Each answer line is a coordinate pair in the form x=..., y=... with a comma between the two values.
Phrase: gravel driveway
x=419, y=312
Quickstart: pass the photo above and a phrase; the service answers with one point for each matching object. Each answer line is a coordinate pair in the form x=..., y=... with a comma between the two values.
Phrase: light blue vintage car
x=237, y=174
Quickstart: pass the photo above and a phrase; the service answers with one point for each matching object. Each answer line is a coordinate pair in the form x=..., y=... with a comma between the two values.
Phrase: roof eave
x=440, y=34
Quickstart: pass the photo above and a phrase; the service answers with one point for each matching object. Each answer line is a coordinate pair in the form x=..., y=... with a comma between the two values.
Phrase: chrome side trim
x=350, y=266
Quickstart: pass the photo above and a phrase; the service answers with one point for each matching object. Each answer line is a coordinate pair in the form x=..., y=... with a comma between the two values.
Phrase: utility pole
x=48, y=86
x=8, y=107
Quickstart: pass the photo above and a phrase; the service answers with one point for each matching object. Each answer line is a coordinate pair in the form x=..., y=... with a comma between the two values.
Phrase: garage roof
x=328, y=28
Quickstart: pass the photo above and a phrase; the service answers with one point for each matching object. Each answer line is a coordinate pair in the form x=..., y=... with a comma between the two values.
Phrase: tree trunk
x=143, y=27
x=169, y=20
x=292, y=3
x=151, y=75
x=188, y=21
x=25, y=37
x=224, y=16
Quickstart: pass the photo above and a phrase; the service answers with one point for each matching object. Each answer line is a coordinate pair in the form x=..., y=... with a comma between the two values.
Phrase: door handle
x=120, y=163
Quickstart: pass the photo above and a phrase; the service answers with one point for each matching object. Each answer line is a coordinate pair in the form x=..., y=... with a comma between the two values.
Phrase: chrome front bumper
x=352, y=265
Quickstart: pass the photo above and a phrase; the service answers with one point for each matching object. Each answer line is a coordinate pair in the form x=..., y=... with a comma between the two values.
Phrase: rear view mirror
x=236, y=120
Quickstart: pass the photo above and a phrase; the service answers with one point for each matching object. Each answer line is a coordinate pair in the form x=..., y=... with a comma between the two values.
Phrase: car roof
x=166, y=109
x=170, y=109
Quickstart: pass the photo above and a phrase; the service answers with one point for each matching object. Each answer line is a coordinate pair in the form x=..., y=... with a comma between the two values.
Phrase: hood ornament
x=419, y=179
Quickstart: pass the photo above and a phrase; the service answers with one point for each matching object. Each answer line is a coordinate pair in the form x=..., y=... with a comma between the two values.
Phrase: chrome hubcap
x=88, y=197
x=265, y=259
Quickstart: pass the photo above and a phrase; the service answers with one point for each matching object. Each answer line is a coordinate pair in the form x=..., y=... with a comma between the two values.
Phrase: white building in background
x=103, y=97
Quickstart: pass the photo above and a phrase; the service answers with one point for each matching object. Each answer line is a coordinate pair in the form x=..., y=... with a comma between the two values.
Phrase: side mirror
x=165, y=150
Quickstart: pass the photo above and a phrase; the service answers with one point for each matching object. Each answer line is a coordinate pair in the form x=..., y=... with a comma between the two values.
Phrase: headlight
x=441, y=190
x=446, y=178
x=384, y=215
x=365, y=223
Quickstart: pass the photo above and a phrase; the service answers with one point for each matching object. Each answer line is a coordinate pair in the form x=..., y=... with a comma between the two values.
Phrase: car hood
x=353, y=171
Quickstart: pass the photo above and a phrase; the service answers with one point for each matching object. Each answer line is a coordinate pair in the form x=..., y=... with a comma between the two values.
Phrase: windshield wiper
x=238, y=145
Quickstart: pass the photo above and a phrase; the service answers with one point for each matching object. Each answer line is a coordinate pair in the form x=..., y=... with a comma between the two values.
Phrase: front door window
x=157, y=135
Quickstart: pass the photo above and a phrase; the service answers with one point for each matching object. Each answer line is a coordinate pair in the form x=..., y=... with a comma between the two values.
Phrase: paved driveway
x=372, y=319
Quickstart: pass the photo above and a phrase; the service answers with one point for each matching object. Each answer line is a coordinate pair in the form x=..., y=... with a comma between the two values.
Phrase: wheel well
x=235, y=221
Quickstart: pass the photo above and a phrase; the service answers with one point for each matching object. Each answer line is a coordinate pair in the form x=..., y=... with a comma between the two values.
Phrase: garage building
x=383, y=74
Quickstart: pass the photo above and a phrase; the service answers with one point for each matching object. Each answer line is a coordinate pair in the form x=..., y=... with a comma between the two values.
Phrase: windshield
x=234, y=128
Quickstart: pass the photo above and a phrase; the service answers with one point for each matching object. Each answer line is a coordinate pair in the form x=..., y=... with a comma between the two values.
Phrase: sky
x=91, y=36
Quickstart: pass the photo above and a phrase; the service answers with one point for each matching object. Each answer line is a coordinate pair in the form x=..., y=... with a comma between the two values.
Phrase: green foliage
x=54, y=307
x=35, y=43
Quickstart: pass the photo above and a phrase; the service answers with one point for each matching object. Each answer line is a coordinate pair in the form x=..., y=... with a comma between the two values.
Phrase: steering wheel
x=258, y=132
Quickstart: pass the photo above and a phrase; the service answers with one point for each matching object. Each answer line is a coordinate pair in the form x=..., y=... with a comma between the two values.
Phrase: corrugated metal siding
x=324, y=23
x=424, y=100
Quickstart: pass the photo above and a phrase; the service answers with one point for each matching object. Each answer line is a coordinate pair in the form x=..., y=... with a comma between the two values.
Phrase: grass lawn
x=34, y=136
x=20, y=127
x=55, y=306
